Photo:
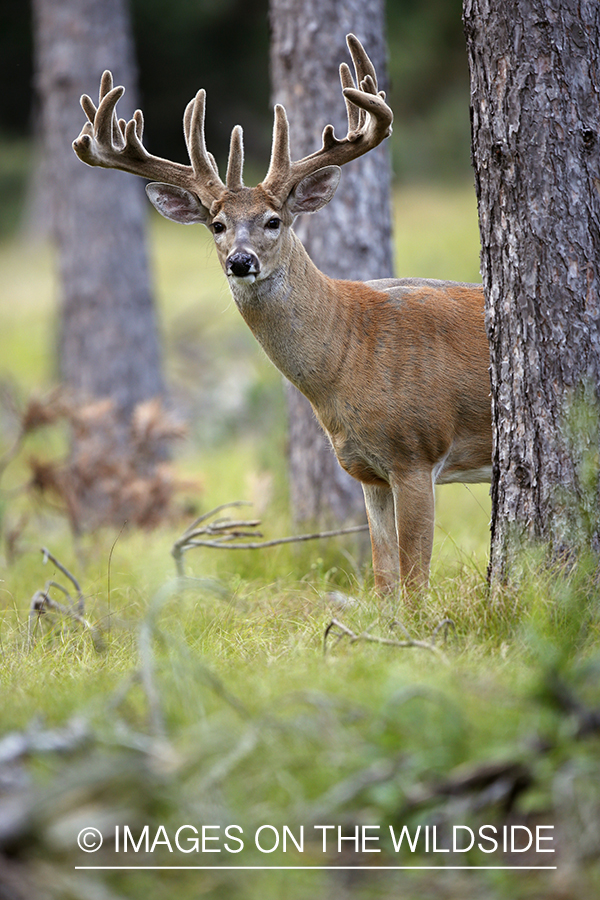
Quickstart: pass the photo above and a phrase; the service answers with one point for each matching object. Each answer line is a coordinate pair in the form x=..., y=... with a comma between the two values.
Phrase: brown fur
x=396, y=371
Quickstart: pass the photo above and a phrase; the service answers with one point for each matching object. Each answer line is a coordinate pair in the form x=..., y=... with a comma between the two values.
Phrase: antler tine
x=187, y=129
x=369, y=123
x=281, y=161
x=362, y=63
x=208, y=181
x=353, y=111
x=235, y=163
x=187, y=123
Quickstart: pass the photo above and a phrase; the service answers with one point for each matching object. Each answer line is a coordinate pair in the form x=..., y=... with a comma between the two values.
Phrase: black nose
x=242, y=264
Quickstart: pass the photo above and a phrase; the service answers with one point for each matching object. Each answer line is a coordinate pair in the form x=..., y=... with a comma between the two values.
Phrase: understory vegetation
x=270, y=689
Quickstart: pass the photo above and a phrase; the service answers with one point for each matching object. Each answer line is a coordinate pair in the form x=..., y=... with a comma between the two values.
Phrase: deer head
x=250, y=225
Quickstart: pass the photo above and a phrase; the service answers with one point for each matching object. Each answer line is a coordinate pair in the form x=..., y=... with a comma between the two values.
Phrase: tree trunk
x=536, y=153
x=107, y=343
x=352, y=237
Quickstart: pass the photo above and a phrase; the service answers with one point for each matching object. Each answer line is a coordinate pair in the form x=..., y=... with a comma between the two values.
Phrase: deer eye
x=218, y=227
x=273, y=224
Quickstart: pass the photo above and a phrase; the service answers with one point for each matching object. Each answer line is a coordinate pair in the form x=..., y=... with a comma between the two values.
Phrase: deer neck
x=296, y=316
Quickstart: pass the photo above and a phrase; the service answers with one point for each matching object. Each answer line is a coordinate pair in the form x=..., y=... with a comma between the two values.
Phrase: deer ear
x=314, y=191
x=177, y=204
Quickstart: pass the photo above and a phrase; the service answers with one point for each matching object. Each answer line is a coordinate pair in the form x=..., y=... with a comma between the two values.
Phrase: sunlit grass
x=27, y=311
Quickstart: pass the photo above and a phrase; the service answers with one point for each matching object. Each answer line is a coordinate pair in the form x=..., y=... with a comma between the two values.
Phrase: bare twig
x=16, y=745
x=223, y=533
x=213, y=512
x=445, y=624
x=48, y=556
x=42, y=602
x=344, y=631
x=497, y=783
x=397, y=624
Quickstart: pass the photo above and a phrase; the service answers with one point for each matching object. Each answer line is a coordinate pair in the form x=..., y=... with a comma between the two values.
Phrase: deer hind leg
x=414, y=504
x=379, y=501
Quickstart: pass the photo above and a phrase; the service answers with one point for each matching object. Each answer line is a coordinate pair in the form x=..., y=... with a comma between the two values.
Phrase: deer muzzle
x=243, y=264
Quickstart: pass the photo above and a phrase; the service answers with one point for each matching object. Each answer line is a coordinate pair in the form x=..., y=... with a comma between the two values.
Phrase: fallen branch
x=490, y=783
x=222, y=533
x=16, y=745
x=80, y=601
x=344, y=631
x=42, y=602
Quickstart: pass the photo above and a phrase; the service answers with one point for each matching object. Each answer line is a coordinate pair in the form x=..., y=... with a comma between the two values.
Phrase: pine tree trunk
x=108, y=344
x=535, y=110
x=108, y=347
x=351, y=237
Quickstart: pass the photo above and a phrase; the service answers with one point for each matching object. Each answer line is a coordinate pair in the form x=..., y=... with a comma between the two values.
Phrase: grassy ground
x=214, y=704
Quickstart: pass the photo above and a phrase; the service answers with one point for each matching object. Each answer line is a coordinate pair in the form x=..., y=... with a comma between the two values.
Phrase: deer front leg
x=414, y=504
x=379, y=501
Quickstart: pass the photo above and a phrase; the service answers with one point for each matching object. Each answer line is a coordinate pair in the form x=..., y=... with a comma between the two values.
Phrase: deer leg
x=379, y=502
x=414, y=503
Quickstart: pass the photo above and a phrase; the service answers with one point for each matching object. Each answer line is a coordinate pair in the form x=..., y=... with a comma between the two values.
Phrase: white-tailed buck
x=396, y=369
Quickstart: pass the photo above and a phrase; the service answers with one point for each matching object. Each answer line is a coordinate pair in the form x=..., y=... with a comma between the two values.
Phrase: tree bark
x=352, y=237
x=535, y=111
x=108, y=343
x=108, y=348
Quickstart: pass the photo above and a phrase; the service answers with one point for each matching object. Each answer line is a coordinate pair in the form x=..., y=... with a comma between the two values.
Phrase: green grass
x=214, y=702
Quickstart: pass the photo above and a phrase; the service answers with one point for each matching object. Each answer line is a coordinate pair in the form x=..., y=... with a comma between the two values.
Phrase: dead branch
x=344, y=631
x=224, y=532
x=43, y=602
x=444, y=625
x=48, y=556
x=16, y=745
x=213, y=512
x=497, y=783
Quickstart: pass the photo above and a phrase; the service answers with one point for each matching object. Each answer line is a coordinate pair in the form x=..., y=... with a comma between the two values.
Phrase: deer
x=396, y=369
